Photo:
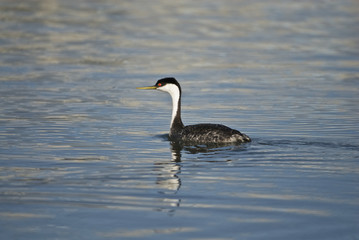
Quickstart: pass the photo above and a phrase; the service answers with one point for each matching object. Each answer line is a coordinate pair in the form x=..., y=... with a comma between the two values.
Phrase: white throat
x=173, y=90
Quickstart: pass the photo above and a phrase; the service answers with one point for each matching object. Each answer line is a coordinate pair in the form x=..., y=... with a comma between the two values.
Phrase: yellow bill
x=150, y=87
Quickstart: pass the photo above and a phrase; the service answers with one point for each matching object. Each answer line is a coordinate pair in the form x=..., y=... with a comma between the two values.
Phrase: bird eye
x=160, y=84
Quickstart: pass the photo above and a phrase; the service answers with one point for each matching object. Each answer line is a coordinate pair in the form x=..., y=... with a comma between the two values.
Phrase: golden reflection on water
x=146, y=232
x=24, y=215
x=125, y=29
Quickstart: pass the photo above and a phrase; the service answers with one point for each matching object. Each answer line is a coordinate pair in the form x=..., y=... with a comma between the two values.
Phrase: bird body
x=206, y=133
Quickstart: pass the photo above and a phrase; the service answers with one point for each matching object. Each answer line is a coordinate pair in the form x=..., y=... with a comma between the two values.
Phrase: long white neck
x=175, y=95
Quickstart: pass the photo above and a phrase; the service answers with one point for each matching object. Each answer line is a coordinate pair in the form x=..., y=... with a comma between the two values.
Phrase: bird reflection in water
x=169, y=181
x=168, y=178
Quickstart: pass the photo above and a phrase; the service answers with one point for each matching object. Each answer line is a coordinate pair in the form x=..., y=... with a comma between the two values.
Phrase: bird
x=204, y=133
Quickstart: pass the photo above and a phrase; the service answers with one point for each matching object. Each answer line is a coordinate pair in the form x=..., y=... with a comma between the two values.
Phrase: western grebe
x=194, y=134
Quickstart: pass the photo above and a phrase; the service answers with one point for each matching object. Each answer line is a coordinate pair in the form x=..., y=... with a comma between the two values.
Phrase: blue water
x=84, y=155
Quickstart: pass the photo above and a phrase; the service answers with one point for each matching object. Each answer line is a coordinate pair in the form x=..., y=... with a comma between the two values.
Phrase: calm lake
x=84, y=154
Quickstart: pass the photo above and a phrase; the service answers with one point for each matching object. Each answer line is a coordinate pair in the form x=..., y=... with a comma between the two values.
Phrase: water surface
x=83, y=154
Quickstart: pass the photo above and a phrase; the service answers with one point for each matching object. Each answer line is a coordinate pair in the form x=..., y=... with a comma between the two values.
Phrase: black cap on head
x=166, y=80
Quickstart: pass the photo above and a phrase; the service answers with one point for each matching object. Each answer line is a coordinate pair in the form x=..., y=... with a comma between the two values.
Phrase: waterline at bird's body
x=194, y=134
